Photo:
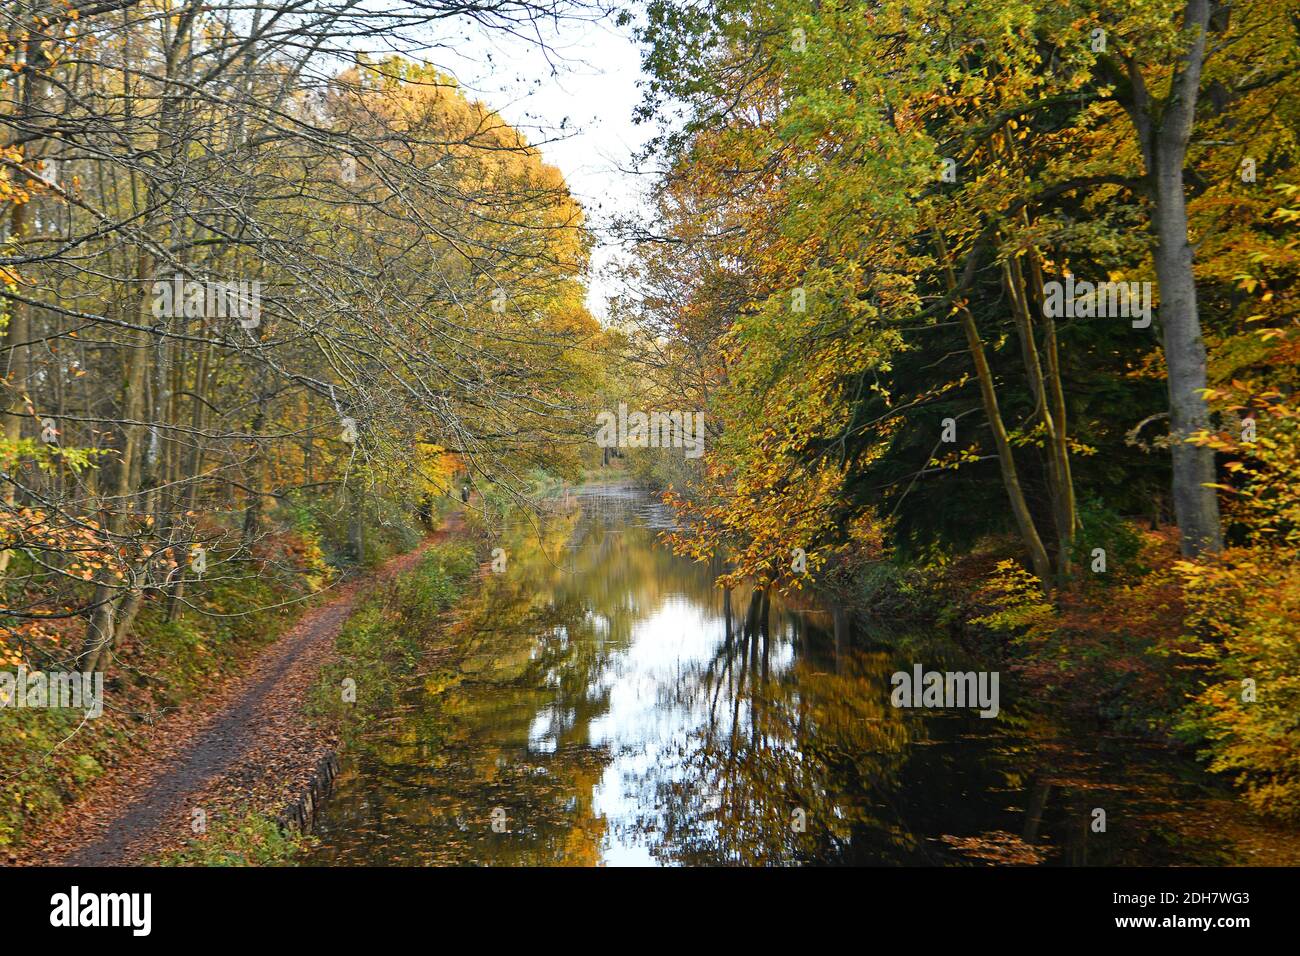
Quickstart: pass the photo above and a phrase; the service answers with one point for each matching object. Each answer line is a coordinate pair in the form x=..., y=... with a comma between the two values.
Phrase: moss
x=253, y=840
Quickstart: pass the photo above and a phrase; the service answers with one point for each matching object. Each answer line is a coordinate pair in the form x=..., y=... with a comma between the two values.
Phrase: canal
x=600, y=701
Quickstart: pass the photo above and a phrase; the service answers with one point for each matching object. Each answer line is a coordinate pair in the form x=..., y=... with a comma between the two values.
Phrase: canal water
x=601, y=702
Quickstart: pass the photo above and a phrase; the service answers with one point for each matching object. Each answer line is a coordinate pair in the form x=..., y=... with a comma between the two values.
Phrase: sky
x=588, y=82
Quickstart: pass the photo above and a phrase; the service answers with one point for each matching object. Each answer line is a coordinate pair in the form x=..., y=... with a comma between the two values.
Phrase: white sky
x=589, y=84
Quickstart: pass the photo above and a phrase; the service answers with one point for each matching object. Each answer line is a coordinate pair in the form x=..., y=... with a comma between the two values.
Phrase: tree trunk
x=14, y=342
x=1014, y=280
x=1042, y=565
x=1196, y=505
x=356, y=524
x=1026, y=289
x=1163, y=135
x=17, y=332
x=1067, y=518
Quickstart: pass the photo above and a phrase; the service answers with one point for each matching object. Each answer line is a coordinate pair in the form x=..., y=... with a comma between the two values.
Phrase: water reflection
x=602, y=702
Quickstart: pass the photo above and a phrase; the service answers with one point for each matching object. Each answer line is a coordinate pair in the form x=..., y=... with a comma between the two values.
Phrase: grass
x=253, y=840
x=382, y=642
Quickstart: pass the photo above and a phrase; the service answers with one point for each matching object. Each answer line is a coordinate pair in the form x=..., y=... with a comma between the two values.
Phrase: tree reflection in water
x=613, y=706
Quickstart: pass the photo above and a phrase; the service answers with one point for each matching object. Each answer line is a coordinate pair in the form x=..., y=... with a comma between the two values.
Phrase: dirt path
x=245, y=743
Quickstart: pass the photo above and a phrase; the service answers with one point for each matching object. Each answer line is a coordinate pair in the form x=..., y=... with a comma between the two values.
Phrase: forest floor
x=246, y=746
